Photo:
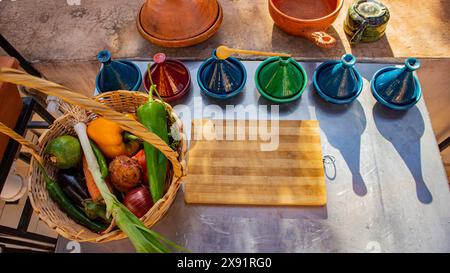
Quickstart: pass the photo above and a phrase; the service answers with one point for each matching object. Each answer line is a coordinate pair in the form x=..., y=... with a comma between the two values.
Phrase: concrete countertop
x=50, y=30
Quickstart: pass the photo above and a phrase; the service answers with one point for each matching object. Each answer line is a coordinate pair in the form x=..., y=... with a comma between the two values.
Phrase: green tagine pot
x=280, y=80
x=366, y=21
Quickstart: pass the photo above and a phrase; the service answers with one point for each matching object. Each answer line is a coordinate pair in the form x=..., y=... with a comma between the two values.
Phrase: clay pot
x=280, y=79
x=117, y=74
x=172, y=78
x=179, y=23
x=397, y=87
x=307, y=18
x=338, y=82
x=221, y=79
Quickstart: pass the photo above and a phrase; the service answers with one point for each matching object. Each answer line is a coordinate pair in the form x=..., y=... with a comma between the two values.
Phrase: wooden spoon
x=223, y=52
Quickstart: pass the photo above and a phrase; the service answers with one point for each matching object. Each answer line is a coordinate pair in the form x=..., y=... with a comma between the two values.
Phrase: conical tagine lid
x=280, y=79
x=223, y=78
x=178, y=19
x=117, y=75
x=171, y=77
x=397, y=88
x=338, y=81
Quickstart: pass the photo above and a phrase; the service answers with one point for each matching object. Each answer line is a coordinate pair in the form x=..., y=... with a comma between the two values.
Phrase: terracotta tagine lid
x=179, y=22
x=171, y=77
x=280, y=79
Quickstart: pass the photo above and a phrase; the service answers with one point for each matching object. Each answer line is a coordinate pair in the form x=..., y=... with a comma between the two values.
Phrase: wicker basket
x=120, y=101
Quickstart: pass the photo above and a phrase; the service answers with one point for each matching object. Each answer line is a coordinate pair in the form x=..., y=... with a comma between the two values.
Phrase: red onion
x=138, y=201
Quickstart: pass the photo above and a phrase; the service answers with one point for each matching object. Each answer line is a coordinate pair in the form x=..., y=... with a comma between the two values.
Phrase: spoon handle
x=262, y=53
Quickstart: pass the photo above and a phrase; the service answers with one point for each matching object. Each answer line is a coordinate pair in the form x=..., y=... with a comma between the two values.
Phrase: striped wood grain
x=234, y=170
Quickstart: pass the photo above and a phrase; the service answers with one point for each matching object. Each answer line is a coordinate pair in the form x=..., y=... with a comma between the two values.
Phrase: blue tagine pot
x=338, y=82
x=221, y=79
x=397, y=88
x=117, y=75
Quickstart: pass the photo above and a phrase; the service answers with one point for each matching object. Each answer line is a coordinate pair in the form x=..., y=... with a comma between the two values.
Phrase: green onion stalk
x=143, y=239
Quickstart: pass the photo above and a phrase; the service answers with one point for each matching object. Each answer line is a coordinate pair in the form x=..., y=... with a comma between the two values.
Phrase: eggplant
x=74, y=185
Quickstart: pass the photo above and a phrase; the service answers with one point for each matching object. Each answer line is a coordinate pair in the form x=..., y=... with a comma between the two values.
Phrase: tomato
x=140, y=158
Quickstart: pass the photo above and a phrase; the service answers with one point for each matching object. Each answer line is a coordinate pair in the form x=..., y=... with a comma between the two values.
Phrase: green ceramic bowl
x=280, y=80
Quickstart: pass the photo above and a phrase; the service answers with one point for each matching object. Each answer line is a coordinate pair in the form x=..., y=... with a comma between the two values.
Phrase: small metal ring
x=331, y=159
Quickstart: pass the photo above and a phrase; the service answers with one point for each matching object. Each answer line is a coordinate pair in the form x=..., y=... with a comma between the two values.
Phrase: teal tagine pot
x=397, y=88
x=280, y=79
x=117, y=74
x=221, y=79
x=338, y=82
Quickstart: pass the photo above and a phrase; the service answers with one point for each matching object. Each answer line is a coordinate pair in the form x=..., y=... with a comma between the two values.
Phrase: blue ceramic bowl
x=322, y=93
x=394, y=106
x=211, y=93
x=130, y=64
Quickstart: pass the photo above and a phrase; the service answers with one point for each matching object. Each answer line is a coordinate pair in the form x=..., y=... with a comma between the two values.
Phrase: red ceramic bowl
x=172, y=78
x=307, y=18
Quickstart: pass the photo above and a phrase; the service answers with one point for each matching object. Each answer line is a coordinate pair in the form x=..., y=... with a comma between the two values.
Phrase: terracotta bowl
x=159, y=21
x=307, y=18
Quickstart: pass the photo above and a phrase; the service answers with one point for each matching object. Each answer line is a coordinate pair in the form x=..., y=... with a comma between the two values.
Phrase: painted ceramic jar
x=366, y=21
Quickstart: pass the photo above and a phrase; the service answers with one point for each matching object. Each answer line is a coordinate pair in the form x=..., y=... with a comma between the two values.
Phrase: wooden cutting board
x=227, y=166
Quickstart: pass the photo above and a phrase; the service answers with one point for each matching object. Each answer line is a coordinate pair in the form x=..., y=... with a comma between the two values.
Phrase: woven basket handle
x=75, y=98
x=34, y=150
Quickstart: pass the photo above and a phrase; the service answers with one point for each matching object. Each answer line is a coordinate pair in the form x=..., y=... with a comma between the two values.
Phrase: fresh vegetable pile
x=107, y=177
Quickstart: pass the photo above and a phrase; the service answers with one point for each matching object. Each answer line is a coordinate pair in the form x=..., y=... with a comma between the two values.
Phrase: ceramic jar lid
x=177, y=23
x=338, y=81
x=221, y=79
x=370, y=9
x=172, y=77
x=280, y=79
x=117, y=74
x=397, y=87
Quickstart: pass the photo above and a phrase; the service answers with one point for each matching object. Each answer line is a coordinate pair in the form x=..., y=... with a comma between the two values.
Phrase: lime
x=64, y=151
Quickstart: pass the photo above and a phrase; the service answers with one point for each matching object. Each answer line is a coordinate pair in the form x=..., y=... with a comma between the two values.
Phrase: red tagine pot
x=172, y=77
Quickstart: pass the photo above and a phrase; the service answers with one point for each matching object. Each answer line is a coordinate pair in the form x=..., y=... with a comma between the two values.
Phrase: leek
x=143, y=239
